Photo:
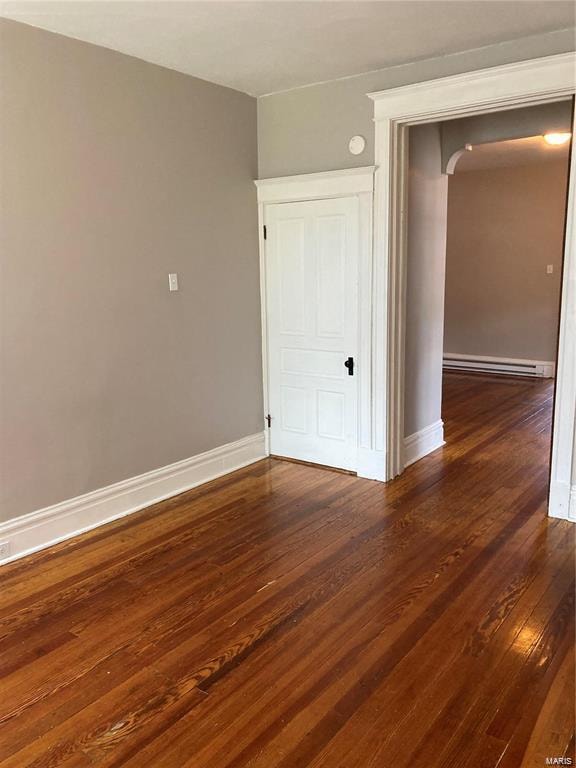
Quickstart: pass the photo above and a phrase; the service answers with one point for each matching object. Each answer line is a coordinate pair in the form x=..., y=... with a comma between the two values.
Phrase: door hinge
x=269, y=420
x=265, y=232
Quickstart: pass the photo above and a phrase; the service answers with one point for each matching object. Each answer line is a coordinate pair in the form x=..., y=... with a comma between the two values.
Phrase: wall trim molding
x=311, y=186
x=542, y=80
x=453, y=159
x=536, y=81
x=45, y=527
x=562, y=502
x=423, y=442
x=511, y=366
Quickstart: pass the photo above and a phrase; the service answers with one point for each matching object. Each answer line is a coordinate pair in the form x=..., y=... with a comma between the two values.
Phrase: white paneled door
x=312, y=309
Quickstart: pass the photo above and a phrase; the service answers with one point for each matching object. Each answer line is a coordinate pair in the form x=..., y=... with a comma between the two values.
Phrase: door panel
x=291, y=244
x=312, y=276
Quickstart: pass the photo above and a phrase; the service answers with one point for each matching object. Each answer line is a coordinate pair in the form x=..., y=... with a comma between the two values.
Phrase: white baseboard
x=502, y=365
x=421, y=443
x=562, y=501
x=48, y=526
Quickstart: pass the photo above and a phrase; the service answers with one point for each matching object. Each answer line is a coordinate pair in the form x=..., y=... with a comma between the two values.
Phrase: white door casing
x=514, y=85
x=339, y=412
x=312, y=268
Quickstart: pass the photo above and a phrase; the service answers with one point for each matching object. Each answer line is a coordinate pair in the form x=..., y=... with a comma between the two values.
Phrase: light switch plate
x=550, y=269
x=173, y=281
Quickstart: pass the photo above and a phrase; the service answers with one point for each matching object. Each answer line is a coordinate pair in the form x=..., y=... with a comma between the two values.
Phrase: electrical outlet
x=4, y=550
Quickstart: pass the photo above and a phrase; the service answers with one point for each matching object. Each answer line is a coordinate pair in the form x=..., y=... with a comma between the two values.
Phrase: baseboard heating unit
x=502, y=365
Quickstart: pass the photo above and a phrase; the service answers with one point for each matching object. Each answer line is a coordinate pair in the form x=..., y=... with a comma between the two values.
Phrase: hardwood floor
x=290, y=617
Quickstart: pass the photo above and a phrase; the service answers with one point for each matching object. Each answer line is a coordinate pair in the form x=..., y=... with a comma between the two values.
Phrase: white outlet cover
x=357, y=145
x=173, y=281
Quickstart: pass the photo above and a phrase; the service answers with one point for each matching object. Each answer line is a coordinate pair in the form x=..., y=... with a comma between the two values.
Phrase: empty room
x=287, y=384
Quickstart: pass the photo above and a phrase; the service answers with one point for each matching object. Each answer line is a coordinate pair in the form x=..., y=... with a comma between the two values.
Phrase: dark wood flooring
x=288, y=616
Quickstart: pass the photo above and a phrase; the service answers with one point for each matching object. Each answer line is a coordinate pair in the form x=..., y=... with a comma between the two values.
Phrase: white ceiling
x=504, y=154
x=267, y=46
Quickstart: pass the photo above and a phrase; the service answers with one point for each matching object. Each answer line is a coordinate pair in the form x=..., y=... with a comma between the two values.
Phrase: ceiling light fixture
x=557, y=139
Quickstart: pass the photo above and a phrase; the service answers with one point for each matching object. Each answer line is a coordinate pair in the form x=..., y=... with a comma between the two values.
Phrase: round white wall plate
x=357, y=145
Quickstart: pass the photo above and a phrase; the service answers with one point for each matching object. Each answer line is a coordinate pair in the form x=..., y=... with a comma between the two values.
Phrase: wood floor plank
x=287, y=616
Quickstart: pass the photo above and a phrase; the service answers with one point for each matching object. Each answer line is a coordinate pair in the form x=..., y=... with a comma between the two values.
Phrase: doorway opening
x=487, y=208
x=530, y=83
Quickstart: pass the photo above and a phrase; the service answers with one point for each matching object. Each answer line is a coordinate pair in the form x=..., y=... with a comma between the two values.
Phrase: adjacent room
x=287, y=391
x=487, y=212
x=504, y=254
x=506, y=219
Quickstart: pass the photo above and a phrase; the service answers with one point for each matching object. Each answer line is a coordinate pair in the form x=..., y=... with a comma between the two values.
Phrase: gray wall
x=427, y=202
x=113, y=173
x=308, y=129
x=504, y=226
x=501, y=126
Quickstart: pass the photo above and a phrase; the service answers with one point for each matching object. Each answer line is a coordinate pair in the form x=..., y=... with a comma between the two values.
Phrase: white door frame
x=515, y=85
x=354, y=182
